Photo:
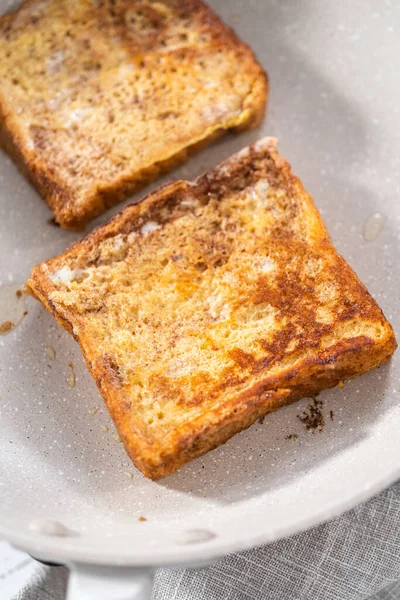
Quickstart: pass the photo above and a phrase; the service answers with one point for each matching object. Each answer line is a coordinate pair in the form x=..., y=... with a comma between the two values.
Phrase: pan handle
x=93, y=582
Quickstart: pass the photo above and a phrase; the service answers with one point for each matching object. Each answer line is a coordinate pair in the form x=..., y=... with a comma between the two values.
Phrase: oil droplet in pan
x=12, y=307
x=373, y=227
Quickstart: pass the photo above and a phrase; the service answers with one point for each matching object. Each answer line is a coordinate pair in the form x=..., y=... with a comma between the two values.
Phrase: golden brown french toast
x=210, y=304
x=98, y=97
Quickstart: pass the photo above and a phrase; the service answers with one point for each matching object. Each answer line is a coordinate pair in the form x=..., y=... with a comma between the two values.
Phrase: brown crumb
x=291, y=436
x=261, y=419
x=312, y=417
x=6, y=326
x=53, y=222
x=18, y=293
x=71, y=380
x=331, y=414
x=25, y=313
x=340, y=384
x=142, y=519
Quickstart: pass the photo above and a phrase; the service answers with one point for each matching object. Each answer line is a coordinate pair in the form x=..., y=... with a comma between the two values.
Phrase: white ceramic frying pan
x=68, y=493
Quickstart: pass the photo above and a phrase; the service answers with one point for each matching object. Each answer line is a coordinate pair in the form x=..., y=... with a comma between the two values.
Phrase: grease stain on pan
x=195, y=536
x=50, y=352
x=71, y=379
x=51, y=528
x=373, y=227
x=13, y=307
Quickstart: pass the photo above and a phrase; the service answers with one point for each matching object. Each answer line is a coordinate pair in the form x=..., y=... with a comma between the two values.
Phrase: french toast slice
x=210, y=304
x=98, y=97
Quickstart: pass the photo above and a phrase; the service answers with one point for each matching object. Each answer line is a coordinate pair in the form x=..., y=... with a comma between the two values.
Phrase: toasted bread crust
x=40, y=149
x=325, y=353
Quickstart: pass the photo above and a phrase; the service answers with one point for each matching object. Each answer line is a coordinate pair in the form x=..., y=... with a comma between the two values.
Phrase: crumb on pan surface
x=96, y=99
x=235, y=304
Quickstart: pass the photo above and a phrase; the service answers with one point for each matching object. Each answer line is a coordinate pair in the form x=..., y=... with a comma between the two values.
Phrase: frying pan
x=68, y=493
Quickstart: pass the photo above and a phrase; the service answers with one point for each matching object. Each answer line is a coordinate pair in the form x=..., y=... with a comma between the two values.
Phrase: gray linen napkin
x=349, y=558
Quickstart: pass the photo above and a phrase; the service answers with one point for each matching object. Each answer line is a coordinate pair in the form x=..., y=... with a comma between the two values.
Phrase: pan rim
x=53, y=549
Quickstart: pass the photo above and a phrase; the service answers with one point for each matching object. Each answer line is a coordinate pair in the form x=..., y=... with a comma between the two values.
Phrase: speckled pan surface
x=67, y=490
